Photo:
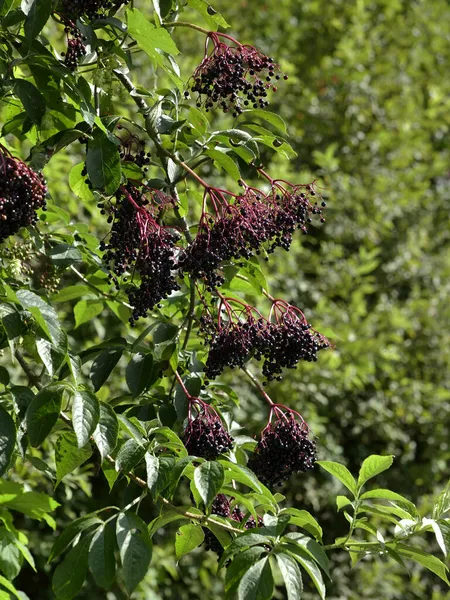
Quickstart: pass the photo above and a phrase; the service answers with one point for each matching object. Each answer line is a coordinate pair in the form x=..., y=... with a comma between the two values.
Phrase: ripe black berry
x=22, y=192
x=284, y=448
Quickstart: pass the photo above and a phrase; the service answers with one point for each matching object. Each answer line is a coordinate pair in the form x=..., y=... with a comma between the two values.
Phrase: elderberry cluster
x=281, y=344
x=233, y=77
x=221, y=506
x=75, y=45
x=22, y=192
x=91, y=9
x=137, y=243
x=206, y=437
x=284, y=449
x=254, y=219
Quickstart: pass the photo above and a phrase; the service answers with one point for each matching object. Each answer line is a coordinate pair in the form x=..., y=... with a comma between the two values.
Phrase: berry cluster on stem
x=284, y=447
x=22, y=192
x=233, y=76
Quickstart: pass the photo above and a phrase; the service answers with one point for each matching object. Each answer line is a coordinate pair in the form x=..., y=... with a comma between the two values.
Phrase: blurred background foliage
x=368, y=110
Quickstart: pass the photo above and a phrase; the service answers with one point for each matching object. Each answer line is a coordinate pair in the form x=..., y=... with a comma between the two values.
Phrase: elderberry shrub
x=205, y=436
x=284, y=449
x=139, y=244
x=75, y=45
x=91, y=9
x=233, y=77
x=22, y=192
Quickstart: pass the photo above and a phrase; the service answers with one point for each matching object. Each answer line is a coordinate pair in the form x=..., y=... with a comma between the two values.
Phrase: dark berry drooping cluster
x=22, y=192
x=205, y=436
x=241, y=226
x=221, y=506
x=233, y=77
x=132, y=150
x=90, y=9
x=76, y=48
x=284, y=448
x=241, y=333
x=138, y=244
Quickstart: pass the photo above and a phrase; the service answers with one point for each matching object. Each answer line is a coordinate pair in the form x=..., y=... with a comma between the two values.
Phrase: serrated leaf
x=425, y=559
x=242, y=474
x=139, y=373
x=32, y=99
x=291, y=575
x=304, y=519
x=223, y=160
x=437, y=532
x=64, y=255
x=107, y=430
x=68, y=534
x=101, y=558
x=372, y=466
x=103, y=365
x=209, y=478
x=393, y=497
x=85, y=416
x=309, y=565
x=211, y=16
x=340, y=472
x=43, y=412
x=240, y=565
x=69, y=576
x=159, y=472
x=135, y=548
x=7, y=439
x=257, y=582
x=68, y=456
x=45, y=316
x=149, y=38
x=86, y=310
x=51, y=358
x=37, y=16
x=267, y=116
x=103, y=163
x=188, y=537
x=442, y=504
x=311, y=547
x=129, y=455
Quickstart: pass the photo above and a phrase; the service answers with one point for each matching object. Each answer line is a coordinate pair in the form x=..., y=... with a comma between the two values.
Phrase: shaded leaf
x=43, y=412
x=85, y=416
x=7, y=439
x=107, y=430
x=135, y=548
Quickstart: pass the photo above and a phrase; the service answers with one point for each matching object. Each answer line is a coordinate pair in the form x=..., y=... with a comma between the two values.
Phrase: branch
x=32, y=377
x=258, y=386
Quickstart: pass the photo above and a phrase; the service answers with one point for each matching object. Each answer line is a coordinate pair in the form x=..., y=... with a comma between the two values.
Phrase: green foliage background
x=368, y=108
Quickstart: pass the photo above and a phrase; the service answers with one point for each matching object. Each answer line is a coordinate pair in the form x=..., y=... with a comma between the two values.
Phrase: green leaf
x=340, y=472
x=148, y=37
x=304, y=519
x=86, y=310
x=135, y=548
x=139, y=373
x=212, y=17
x=68, y=534
x=10, y=556
x=428, y=561
x=159, y=472
x=240, y=565
x=37, y=16
x=69, y=576
x=64, y=255
x=267, y=116
x=103, y=365
x=107, y=430
x=9, y=586
x=257, y=582
x=309, y=565
x=438, y=533
x=169, y=517
x=372, y=466
x=103, y=163
x=101, y=557
x=442, y=504
x=392, y=496
x=45, y=316
x=188, y=537
x=129, y=455
x=209, y=478
x=7, y=439
x=223, y=160
x=77, y=183
x=68, y=456
x=32, y=99
x=241, y=473
x=50, y=356
x=291, y=575
x=43, y=412
x=85, y=416
x=311, y=547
